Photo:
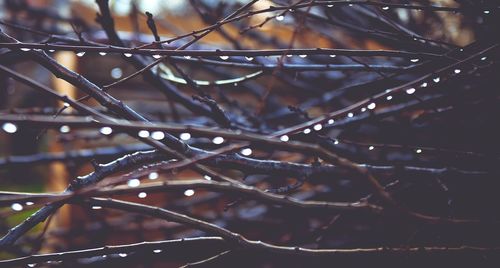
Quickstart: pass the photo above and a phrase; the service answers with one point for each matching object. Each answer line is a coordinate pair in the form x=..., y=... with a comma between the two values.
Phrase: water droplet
x=457, y=71
x=385, y=8
x=371, y=148
x=329, y=5
x=29, y=203
x=102, y=53
x=142, y=195
x=66, y=105
x=208, y=178
x=156, y=56
x=410, y=91
x=363, y=109
x=284, y=138
x=51, y=50
x=350, y=115
x=64, y=129
x=318, y=127
x=418, y=151
x=436, y=80
x=280, y=18
x=218, y=140
x=16, y=207
x=123, y=255
x=31, y=264
x=333, y=55
x=143, y=134
x=224, y=57
x=289, y=55
x=128, y=55
x=414, y=60
x=25, y=49
x=249, y=58
x=389, y=98
x=187, y=57
x=9, y=127
x=372, y=106
x=153, y=175
x=246, y=151
x=106, y=130
x=185, y=136
x=307, y=131
x=189, y=192
x=336, y=142
x=158, y=135
x=302, y=56
x=157, y=251
x=80, y=54
x=96, y=207
x=486, y=12
x=483, y=58
x=133, y=182
x=424, y=84
x=331, y=121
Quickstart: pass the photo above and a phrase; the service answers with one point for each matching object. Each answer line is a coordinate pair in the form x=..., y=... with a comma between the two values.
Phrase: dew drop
x=284, y=138
x=363, y=109
x=9, y=127
x=389, y=98
x=80, y=54
x=31, y=264
x=336, y=142
x=185, y=136
x=187, y=57
x=436, y=80
x=96, y=207
x=307, y=131
x=133, y=182
x=418, y=151
x=224, y=57
x=25, y=49
x=64, y=129
x=29, y=203
x=280, y=18
x=486, y=12
x=51, y=50
x=128, y=55
x=153, y=175
x=246, y=151
x=329, y=5
x=302, y=56
x=457, y=71
x=372, y=106
x=249, y=58
x=350, y=115
x=410, y=91
x=208, y=178
x=158, y=135
x=143, y=134
x=414, y=60
x=385, y=8
x=157, y=251
x=318, y=127
x=331, y=121
x=102, y=53
x=371, y=148
x=106, y=130
x=189, y=192
x=483, y=58
x=333, y=55
x=424, y=84
x=156, y=56
x=123, y=255
x=218, y=140
x=142, y=195
x=16, y=207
